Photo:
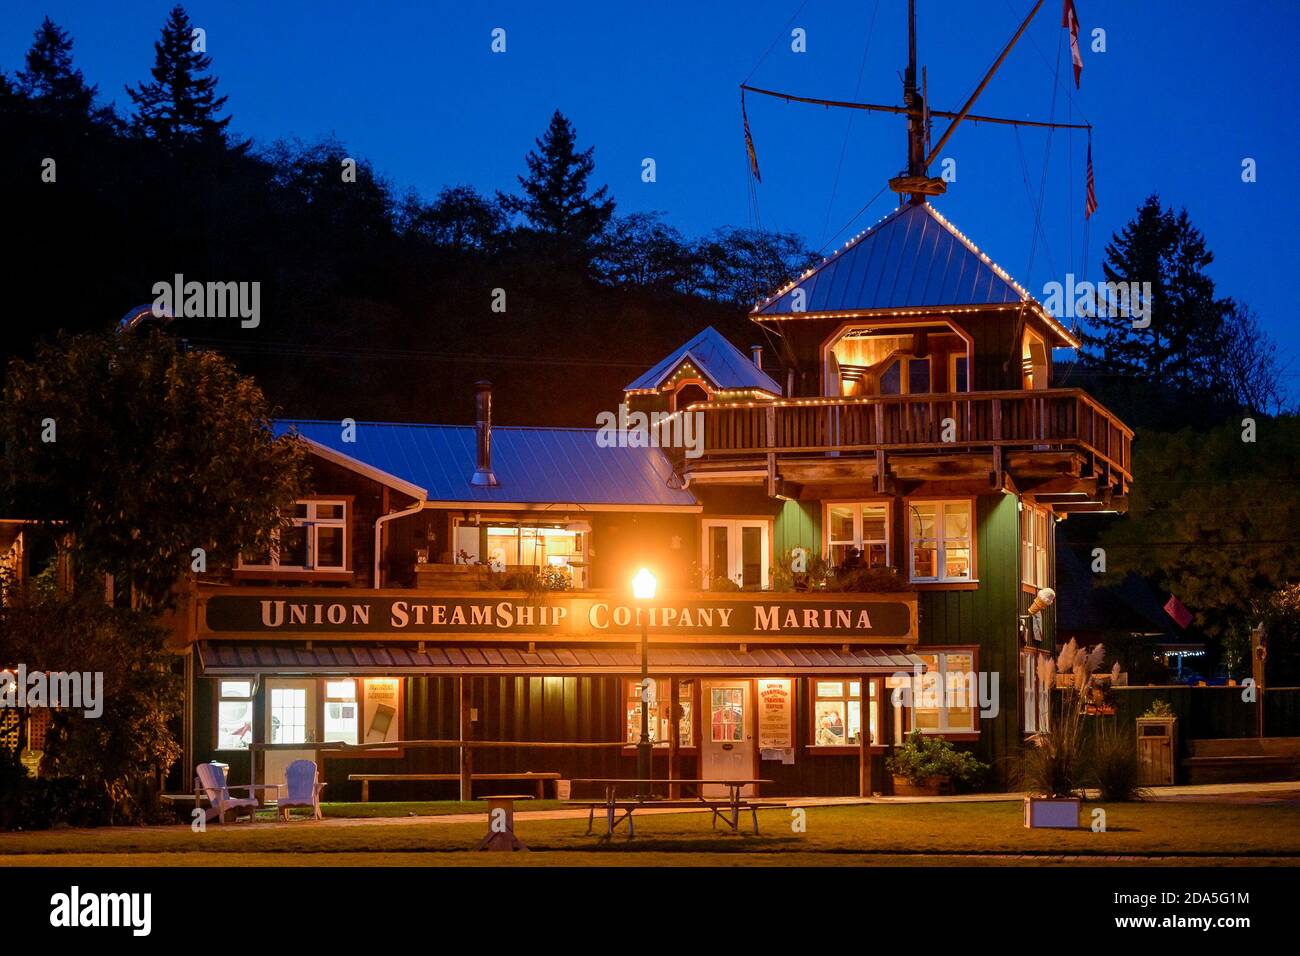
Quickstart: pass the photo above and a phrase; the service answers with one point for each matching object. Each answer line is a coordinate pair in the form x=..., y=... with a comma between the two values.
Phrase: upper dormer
x=911, y=306
x=707, y=368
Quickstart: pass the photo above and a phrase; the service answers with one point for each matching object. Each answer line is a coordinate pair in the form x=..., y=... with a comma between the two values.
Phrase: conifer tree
x=180, y=104
x=49, y=79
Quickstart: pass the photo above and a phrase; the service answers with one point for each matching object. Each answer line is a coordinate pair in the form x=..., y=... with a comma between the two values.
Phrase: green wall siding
x=798, y=524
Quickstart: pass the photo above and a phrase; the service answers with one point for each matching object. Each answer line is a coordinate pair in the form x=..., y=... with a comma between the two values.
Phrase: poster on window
x=775, y=714
x=380, y=717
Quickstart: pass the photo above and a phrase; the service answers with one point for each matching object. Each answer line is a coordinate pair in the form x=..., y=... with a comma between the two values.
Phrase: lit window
x=726, y=714
x=659, y=713
x=941, y=541
x=528, y=546
x=737, y=551
x=860, y=527
x=1037, y=696
x=317, y=540
x=837, y=713
x=341, y=711
x=1035, y=537
x=944, y=697
x=288, y=715
x=234, y=714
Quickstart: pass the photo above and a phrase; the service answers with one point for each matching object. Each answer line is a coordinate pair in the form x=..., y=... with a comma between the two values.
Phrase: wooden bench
x=540, y=777
x=1242, y=760
x=720, y=808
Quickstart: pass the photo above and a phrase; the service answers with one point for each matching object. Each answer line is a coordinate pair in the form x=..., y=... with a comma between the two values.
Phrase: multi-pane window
x=837, y=713
x=1035, y=538
x=736, y=549
x=660, y=713
x=316, y=541
x=944, y=697
x=941, y=540
x=234, y=714
x=860, y=527
x=288, y=715
x=726, y=714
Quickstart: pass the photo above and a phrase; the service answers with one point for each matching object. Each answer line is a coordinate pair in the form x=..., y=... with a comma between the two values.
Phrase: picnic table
x=614, y=806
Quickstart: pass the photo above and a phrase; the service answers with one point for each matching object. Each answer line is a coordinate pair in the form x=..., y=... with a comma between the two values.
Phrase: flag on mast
x=749, y=141
x=1070, y=20
x=1090, y=199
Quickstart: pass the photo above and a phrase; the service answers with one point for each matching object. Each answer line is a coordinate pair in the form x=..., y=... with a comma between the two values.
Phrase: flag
x=749, y=141
x=1070, y=20
x=1090, y=199
x=1174, y=608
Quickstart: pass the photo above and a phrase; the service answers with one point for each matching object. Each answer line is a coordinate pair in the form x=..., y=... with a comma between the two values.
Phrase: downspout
x=379, y=533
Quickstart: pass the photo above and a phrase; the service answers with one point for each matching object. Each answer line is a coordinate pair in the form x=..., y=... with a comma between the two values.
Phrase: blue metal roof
x=913, y=258
x=724, y=365
x=532, y=465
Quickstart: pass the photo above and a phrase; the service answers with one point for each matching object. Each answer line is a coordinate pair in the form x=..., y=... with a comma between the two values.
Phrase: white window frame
x=1036, y=527
x=1036, y=699
x=941, y=662
x=232, y=698
x=311, y=522
x=941, y=540
x=735, y=553
x=858, y=542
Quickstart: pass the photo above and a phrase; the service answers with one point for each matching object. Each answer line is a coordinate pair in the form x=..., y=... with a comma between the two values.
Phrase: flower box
x=1061, y=813
x=928, y=787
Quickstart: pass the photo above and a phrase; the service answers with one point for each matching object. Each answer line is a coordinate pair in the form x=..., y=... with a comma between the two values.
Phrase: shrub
x=921, y=757
x=1115, y=766
x=1159, y=708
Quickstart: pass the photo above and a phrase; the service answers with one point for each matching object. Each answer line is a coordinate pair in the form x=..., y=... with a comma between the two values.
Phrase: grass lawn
x=950, y=834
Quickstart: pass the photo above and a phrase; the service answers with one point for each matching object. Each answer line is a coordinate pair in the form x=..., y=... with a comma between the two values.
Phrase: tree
x=556, y=201
x=743, y=265
x=1250, y=368
x=1214, y=519
x=642, y=250
x=49, y=79
x=180, y=105
x=143, y=452
x=459, y=218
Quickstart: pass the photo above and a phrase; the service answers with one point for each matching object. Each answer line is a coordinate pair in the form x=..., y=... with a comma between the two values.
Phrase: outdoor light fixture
x=643, y=589
x=643, y=585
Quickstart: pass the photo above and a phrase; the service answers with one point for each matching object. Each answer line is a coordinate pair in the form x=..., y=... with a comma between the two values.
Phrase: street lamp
x=643, y=589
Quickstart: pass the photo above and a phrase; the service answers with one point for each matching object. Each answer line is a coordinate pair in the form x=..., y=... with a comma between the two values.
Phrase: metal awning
x=218, y=657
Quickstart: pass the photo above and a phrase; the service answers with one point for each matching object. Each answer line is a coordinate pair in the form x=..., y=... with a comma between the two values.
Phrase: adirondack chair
x=211, y=782
x=303, y=783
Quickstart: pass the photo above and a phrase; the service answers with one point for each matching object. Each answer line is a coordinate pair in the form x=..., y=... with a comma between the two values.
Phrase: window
x=317, y=541
x=530, y=546
x=736, y=550
x=864, y=527
x=941, y=541
x=958, y=380
x=837, y=713
x=660, y=713
x=726, y=714
x=341, y=711
x=918, y=376
x=1037, y=696
x=944, y=698
x=1035, y=536
x=288, y=715
x=234, y=714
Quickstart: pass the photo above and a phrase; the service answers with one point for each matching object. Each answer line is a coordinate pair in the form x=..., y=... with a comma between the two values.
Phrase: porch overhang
x=220, y=658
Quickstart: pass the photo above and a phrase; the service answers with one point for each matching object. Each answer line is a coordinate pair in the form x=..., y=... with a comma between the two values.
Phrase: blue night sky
x=1185, y=91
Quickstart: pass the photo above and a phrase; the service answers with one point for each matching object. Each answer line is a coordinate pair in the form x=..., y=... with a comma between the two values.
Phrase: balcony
x=1061, y=442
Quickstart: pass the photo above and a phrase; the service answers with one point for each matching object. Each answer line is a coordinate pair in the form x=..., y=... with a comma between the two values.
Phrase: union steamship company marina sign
x=871, y=616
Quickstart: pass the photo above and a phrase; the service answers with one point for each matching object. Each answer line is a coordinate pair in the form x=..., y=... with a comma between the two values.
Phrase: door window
x=727, y=711
x=737, y=551
x=288, y=715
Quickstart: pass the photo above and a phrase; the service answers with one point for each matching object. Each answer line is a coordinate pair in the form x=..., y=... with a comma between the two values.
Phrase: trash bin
x=1157, y=749
x=562, y=789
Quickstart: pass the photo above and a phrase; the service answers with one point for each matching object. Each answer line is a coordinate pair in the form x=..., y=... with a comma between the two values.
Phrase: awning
x=288, y=658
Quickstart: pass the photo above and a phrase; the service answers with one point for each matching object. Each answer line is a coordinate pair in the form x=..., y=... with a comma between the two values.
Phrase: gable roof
x=533, y=466
x=912, y=259
x=720, y=362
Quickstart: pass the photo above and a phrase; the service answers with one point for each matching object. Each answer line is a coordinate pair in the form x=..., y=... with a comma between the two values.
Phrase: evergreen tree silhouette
x=49, y=79
x=180, y=105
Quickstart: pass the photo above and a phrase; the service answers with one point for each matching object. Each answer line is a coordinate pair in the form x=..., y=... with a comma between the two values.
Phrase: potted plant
x=926, y=766
x=1054, y=766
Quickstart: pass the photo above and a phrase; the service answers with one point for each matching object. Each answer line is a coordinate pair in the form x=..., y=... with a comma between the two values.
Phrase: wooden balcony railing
x=1063, y=418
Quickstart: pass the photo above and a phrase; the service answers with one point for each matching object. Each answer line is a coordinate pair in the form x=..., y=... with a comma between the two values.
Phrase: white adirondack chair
x=303, y=783
x=212, y=784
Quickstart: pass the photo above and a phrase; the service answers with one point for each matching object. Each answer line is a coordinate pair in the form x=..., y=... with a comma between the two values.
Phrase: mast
x=915, y=184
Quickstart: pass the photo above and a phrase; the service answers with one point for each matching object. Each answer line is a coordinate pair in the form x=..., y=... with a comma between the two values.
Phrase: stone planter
x=1061, y=813
x=929, y=787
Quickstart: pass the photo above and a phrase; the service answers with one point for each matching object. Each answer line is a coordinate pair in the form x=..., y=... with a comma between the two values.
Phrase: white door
x=290, y=719
x=736, y=549
x=727, y=750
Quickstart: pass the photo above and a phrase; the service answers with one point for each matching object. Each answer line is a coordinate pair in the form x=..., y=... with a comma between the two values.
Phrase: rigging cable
x=835, y=185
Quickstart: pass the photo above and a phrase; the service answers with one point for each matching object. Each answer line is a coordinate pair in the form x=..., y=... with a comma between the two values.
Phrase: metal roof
x=913, y=258
x=724, y=365
x=323, y=657
x=532, y=465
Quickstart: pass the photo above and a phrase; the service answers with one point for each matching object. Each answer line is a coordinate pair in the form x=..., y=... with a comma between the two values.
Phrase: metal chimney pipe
x=757, y=352
x=483, y=434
